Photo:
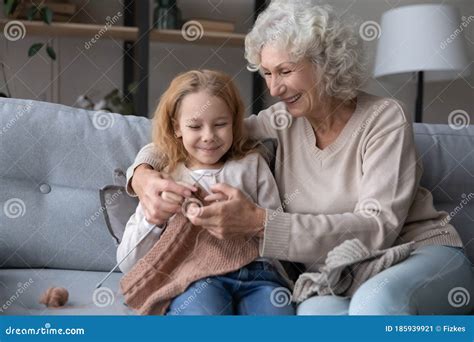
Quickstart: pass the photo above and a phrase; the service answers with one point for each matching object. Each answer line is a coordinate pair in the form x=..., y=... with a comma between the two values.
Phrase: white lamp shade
x=420, y=38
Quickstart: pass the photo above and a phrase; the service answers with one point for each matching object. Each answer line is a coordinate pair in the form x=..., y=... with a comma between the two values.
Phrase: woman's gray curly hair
x=308, y=29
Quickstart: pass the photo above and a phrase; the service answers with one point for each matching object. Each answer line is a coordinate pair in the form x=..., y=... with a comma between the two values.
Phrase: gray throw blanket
x=347, y=266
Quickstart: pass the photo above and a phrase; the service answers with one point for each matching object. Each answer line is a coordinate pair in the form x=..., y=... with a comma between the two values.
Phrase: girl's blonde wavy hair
x=166, y=115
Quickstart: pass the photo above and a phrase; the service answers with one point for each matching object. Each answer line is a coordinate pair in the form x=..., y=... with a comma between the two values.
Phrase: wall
x=98, y=70
x=440, y=98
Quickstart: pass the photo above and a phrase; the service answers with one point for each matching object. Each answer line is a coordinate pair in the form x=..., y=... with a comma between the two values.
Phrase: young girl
x=198, y=129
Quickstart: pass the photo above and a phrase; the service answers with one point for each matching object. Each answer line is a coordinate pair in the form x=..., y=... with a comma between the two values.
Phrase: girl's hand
x=232, y=215
x=150, y=185
x=170, y=196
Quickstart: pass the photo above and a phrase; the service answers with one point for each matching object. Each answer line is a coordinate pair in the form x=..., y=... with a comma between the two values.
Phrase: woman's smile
x=292, y=100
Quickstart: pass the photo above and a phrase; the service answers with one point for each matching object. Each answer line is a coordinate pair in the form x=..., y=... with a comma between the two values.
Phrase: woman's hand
x=159, y=195
x=232, y=214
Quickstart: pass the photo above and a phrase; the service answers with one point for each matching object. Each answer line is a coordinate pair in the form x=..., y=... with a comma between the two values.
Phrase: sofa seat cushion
x=21, y=289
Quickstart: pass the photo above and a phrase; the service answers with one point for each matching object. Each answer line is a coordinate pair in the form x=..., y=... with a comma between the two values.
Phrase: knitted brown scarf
x=184, y=254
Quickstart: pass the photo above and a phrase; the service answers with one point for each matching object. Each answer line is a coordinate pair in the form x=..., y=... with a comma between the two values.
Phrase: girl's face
x=205, y=126
x=293, y=83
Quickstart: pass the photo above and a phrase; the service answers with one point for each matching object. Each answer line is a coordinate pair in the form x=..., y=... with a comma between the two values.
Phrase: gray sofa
x=53, y=162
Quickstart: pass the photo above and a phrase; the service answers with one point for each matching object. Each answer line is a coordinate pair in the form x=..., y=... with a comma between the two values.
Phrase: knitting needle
x=125, y=257
x=99, y=284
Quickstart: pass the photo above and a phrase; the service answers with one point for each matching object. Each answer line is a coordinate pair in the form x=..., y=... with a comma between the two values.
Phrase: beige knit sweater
x=364, y=185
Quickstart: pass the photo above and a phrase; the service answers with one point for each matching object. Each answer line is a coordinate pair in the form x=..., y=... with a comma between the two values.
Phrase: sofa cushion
x=20, y=291
x=119, y=207
x=54, y=160
x=448, y=163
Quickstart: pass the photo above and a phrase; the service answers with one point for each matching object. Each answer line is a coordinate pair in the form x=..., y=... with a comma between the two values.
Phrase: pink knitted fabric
x=184, y=254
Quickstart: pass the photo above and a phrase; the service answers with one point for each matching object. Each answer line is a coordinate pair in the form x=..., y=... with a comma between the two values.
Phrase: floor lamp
x=425, y=40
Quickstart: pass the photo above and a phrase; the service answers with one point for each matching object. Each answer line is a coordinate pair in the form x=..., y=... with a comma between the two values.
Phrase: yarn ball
x=54, y=297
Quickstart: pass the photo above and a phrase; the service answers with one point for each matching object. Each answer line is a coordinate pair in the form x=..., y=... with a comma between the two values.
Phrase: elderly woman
x=346, y=166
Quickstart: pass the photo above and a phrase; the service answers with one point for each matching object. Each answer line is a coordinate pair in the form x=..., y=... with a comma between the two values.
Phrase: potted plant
x=34, y=9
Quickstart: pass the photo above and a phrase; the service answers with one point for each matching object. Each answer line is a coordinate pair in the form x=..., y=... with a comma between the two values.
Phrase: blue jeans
x=433, y=280
x=256, y=289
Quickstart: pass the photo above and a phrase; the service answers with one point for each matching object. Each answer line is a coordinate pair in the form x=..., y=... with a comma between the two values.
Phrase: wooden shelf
x=38, y=28
x=136, y=51
x=208, y=38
